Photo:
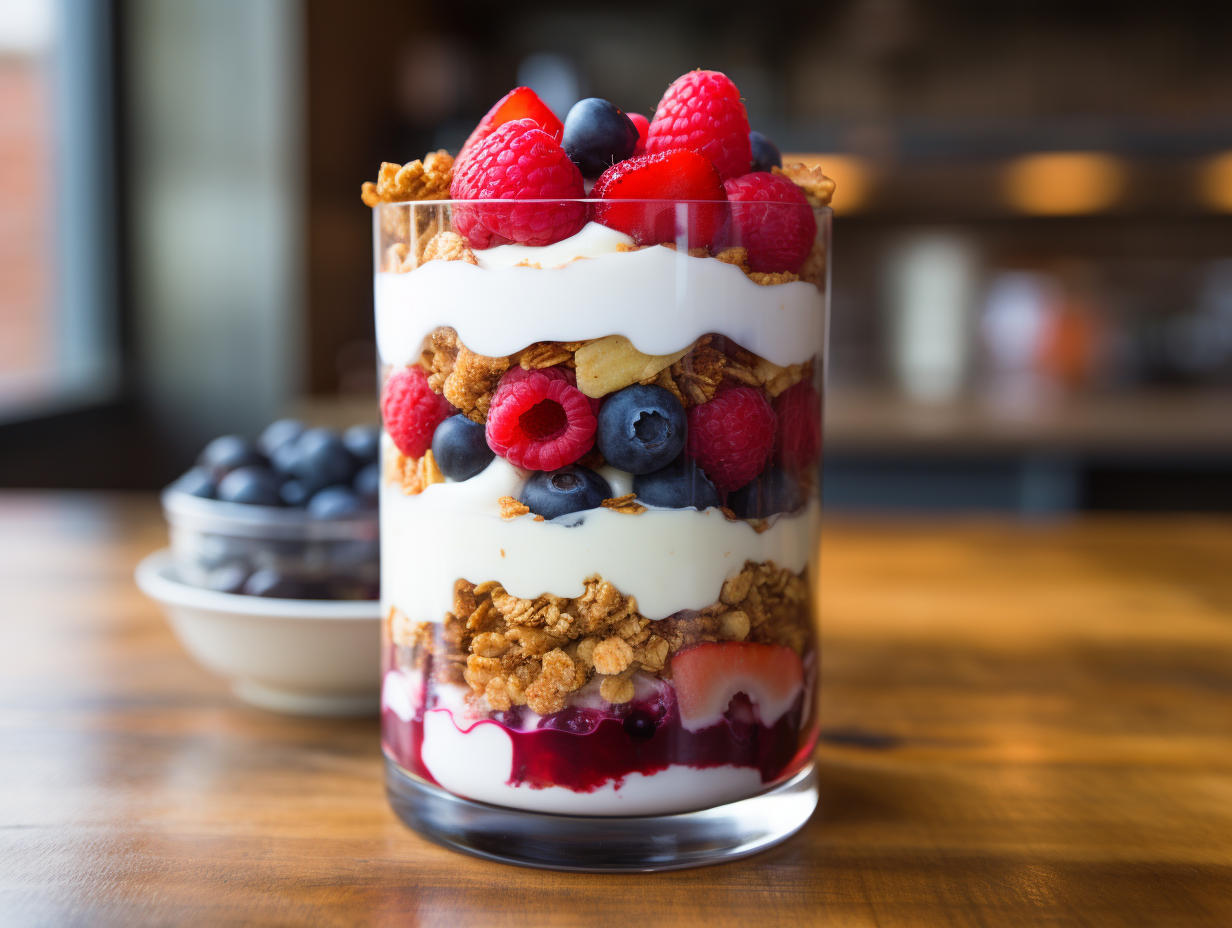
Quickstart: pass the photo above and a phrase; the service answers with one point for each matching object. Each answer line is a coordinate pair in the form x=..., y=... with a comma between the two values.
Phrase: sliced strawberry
x=671, y=175
x=519, y=103
x=708, y=675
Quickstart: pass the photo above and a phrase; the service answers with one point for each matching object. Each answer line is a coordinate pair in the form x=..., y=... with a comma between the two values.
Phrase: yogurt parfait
x=602, y=351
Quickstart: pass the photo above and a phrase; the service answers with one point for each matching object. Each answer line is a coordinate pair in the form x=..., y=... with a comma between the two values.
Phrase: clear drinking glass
x=600, y=647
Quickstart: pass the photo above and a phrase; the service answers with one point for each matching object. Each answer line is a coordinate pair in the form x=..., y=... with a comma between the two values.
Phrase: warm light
x=1215, y=183
x=1064, y=183
x=852, y=178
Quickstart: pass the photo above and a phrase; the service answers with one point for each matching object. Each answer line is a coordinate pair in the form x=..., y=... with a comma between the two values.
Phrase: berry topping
x=196, y=481
x=321, y=459
x=411, y=411
x=798, y=442
x=560, y=492
x=672, y=175
x=277, y=434
x=518, y=161
x=226, y=453
x=778, y=237
x=708, y=675
x=519, y=103
x=641, y=429
x=680, y=485
x=640, y=725
x=540, y=421
x=336, y=502
x=251, y=484
x=731, y=436
x=702, y=112
x=642, y=124
x=773, y=490
x=597, y=135
x=766, y=154
x=461, y=448
x=294, y=492
x=363, y=441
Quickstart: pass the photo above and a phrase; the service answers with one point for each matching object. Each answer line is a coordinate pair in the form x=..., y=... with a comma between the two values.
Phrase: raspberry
x=778, y=238
x=519, y=103
x=538, y=421
x=731, y=436
x=411, y=410
x=518, y=161
x=702, y=111
x=669, y=176
x=798, y=441
x=567, y=374
x=643, y=127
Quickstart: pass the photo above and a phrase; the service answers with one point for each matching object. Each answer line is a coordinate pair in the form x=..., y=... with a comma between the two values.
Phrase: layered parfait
x=601, y=346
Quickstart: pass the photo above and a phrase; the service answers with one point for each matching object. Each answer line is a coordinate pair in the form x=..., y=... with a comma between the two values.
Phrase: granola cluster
x=535, y=652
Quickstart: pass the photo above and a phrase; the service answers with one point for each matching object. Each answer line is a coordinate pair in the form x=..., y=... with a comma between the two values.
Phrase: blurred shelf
x=1139, y=423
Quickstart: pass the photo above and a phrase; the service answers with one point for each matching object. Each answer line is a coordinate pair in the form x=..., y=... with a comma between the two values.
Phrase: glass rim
x=514, y=201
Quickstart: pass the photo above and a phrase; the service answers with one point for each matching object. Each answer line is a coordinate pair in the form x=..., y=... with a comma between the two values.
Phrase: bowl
x=303, y=657
x=220, y=546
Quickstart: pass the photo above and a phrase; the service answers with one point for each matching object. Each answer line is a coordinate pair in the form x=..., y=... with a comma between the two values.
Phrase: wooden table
x=1026, y=725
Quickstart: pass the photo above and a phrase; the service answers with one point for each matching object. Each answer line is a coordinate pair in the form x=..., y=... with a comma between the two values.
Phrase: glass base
x=627, y=844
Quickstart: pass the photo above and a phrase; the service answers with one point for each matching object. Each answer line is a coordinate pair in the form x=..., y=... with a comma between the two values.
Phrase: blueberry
x=269, y=582
x=226, y=453
x=460, y=448
x=597, y=135
x=773, y=490
x=252, y=484
x=559, y=492
x=229, y=578
x=367, y=484
x=680, y=485
x=336, y=502
x=641, y=429
x=196, y=481
x=277, y=434
x=363, y=441
x=294, y=492
x=639, y=725
x=765, y=153
x=321, y=459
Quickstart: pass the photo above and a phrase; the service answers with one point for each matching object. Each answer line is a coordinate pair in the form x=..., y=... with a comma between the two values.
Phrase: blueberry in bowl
x=680, y=485
x=567, y=490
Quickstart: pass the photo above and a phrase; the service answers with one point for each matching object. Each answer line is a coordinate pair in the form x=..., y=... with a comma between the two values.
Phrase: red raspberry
x=778, y=238
x=798, y=441
x=411, y=410
x=518, y=161
x=538, y=421
x=731, y=436
x=567, y=374
x=519, y=103
x=671, y=175
x=643, y=127
x=702, y=111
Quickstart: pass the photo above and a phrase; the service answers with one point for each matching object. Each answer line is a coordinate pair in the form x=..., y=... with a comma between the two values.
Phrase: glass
x=599, y=645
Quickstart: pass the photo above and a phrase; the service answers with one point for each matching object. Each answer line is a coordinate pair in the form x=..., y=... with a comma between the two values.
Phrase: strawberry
x=670, y=176
x=707, y=676
x=519, y=103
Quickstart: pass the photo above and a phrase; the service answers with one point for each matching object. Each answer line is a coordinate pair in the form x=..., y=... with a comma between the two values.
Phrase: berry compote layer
x=602, y=427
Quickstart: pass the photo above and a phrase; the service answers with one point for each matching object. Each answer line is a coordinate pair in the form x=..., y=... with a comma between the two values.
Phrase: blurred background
x=1032, y=292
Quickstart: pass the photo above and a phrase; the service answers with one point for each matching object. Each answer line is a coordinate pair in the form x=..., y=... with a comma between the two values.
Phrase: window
x=58, y=332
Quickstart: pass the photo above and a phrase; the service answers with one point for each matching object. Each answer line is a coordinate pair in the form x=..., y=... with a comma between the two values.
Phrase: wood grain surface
x=1025, y=725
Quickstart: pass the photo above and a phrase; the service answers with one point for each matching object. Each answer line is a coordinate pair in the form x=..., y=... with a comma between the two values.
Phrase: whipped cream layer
x=669, y=559
x=478, y=764
x=661, y=300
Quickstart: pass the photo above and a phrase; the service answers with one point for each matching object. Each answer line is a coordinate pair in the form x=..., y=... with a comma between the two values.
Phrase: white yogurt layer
x=669, y=559
x=478, y=763
x=659, y=299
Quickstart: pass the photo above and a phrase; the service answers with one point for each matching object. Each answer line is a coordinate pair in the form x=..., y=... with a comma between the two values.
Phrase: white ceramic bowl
x=305, y=657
